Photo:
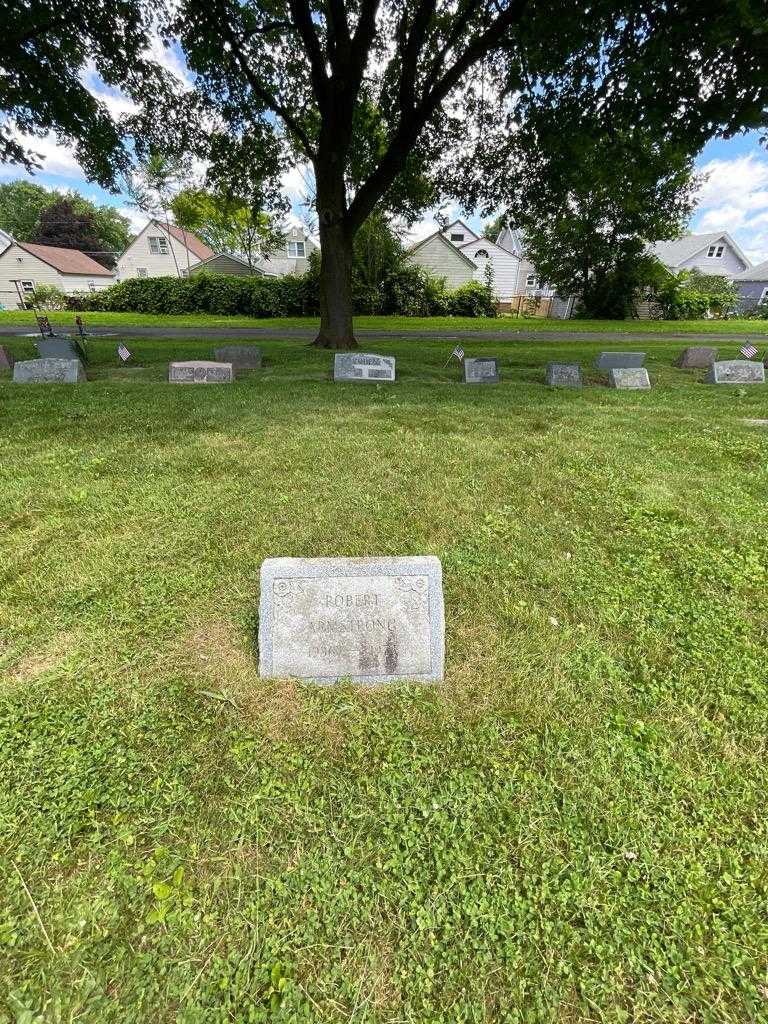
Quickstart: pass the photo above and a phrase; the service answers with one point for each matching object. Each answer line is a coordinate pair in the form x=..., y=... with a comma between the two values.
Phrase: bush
x=406, y=290
x=48, y=296
x=471, y=299
x=691, y=295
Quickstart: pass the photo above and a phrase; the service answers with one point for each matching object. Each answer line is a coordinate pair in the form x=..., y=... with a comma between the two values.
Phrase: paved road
x=254, y=333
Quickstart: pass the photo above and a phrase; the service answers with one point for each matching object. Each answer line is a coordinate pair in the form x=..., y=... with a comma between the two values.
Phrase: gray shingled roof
x=675, y=251
x=758, y=273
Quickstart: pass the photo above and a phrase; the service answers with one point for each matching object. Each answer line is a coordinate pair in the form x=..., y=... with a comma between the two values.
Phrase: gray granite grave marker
x=629, y=378
x=619, y=360
x=481, y=370
x=242, y=357
x=736, y=371
x=697, y=357
x=6, y=358
x=371, y=620
x=48, y=371
x=363, y=366
x=200, y=371
x=564, y=375
x=56, y=348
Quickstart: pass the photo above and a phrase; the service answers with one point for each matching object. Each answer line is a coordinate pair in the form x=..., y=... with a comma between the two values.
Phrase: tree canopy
x=23, y=206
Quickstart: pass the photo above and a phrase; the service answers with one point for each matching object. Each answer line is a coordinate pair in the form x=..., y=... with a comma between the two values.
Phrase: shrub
x=471, y=299
x=406, y=290
x=48, y=296
x=691, y=295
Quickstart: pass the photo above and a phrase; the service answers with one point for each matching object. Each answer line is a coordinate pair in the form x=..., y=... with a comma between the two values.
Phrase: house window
x=158, y=245
x=141, y=271
x=91, y=286
x=482, y=254
x=296, y=249
x=28, y=287
x=531, y=282
x=715, y=252
x=763, y=298
x=457, y=236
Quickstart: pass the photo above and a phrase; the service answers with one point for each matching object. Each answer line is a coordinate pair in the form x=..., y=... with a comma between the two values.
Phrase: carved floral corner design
x=415, y=590
x=286, y=592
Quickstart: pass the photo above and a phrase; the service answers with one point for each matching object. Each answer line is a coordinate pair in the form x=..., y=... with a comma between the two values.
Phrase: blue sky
x=734, y=197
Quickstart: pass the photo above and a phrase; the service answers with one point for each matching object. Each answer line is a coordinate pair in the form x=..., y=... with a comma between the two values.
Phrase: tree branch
x=393, y=160
x=302, y=19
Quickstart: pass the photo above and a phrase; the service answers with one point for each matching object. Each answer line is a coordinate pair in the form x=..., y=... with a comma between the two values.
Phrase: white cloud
x=734, y=198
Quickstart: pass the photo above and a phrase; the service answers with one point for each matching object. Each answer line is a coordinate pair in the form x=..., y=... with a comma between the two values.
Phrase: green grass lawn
x=572, y=828
x=404, y=323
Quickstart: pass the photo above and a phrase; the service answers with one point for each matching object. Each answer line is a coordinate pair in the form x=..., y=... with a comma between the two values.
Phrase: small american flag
x=123, y=352
x=748, y=351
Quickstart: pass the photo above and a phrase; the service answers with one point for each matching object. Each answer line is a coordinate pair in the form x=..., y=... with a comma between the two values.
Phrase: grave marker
x=481, y=370
x=363, y=366
x=619, y=360
x=56, y=348
x=629, y=378
x=564, y=375
x=48, y=371
x=367, y=619
x=242, y=357
x=200, y=371
x=697, y=357
x=736, y=371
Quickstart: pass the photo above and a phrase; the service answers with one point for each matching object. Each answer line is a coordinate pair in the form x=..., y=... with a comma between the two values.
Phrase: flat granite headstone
x=48, y=371
x=481, y=370
x=6, y=358
x=736, y=371
x=242, y=357
x=371, y=620
x=564, y=375
x=619, y=360
x=697, y=357
x=630, y=378
x=363, y=366
x=200, y=371
x=56, y=348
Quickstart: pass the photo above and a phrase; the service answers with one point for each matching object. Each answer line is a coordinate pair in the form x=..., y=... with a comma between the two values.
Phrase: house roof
x=186, y=238
x=673, y=252
x=228, y=256
x=511, y=239
x=487, y=244
x=66, y=261
x=463, y=224
x=758, y=273
x=454, y=249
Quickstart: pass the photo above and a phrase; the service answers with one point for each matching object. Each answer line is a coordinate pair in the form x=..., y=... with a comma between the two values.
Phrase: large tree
x=48, y=49
x=372, y=92
x=587, y=229
x=24, y=206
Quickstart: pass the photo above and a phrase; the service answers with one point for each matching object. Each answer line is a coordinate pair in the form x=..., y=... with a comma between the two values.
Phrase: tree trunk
x=336, y=329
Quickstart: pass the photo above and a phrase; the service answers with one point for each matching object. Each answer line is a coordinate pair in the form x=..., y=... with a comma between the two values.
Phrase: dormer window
x=715, y=252
x=296, y=249
x=457, y=236
x=158, y=245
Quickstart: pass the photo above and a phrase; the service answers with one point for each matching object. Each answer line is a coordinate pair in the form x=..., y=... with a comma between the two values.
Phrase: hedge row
x=407, y=291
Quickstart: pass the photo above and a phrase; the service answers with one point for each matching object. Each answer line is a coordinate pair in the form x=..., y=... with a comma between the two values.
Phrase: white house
x=441, y=254
x=161, y=250
x=292, y=256
x=24, y=266
x=714, y=253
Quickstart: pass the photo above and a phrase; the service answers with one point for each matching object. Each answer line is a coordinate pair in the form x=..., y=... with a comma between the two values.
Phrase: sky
x=733, y=198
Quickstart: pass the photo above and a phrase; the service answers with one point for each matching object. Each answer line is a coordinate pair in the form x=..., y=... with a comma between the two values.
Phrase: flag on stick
x=123, y=352
x=458, y=353
x=748, y=351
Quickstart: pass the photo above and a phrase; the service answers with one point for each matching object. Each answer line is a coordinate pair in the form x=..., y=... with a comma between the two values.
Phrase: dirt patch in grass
x=35, y=663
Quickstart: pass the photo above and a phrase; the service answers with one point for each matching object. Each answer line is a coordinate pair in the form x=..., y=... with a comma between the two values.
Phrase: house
x=442, y=258
x=714, y=253
x=292, y=255
x=24, y=266
x=753, y=286
x=161, y=250
x=529, y=282
x=227, y=263
x=504, y=265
